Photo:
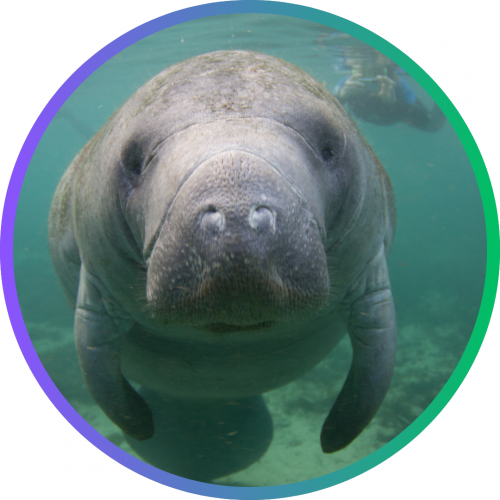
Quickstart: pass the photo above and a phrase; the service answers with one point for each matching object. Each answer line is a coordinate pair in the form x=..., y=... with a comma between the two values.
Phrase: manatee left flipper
x=371, y=323
x=98, y=338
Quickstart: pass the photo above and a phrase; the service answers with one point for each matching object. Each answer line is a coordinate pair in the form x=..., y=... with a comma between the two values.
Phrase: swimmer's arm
x=349, y=88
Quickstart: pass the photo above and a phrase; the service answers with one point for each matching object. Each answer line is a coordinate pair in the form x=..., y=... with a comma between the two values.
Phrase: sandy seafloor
x=427, y=355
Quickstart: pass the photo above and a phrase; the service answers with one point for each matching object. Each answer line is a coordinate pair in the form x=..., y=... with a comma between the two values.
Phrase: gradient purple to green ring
x=240, y=7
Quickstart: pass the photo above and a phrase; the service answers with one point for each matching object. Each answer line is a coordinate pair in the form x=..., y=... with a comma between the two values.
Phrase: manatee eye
x=327, y=154
x=332, y=150
x=132, y=158
x=331, y=153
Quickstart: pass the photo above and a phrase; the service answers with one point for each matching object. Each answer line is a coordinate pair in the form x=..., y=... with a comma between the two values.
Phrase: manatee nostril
x=261, y=218
x=212, y=220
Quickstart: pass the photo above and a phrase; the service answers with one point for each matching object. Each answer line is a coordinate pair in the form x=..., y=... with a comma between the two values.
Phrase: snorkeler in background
x=376, y=93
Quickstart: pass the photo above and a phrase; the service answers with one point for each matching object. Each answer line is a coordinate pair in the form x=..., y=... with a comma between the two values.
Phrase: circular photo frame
x=402, y=421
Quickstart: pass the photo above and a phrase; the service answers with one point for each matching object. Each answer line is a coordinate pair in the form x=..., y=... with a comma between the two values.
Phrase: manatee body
x=218, y=237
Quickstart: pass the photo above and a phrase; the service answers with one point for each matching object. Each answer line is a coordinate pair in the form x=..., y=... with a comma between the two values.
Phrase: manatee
x=217, y=238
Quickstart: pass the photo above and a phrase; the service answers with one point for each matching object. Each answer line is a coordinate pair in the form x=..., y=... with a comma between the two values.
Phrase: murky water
x=437, y=263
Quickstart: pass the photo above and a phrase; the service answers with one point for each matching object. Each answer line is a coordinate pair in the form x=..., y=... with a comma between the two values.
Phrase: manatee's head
x=238, y=177
x=239, y=248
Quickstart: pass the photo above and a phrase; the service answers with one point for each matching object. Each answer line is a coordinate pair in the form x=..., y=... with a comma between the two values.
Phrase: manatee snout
x=239, y=246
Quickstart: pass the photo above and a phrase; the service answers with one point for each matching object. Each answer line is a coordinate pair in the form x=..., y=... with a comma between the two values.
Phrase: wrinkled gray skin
x=217, y=238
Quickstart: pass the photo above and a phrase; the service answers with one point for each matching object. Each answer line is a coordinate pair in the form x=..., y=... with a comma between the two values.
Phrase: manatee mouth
x=227, y=328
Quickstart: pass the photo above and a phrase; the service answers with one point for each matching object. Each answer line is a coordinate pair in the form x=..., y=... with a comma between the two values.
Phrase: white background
x=43, y=43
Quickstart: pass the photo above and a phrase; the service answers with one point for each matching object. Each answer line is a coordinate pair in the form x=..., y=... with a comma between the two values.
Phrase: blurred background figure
x=374, y=90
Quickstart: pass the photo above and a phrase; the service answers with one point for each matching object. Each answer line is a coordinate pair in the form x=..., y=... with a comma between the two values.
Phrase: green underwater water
x=437, y=263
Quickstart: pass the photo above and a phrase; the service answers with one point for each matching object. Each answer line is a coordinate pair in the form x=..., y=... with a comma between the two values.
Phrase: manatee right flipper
x=98, y=338
x=371, y=323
